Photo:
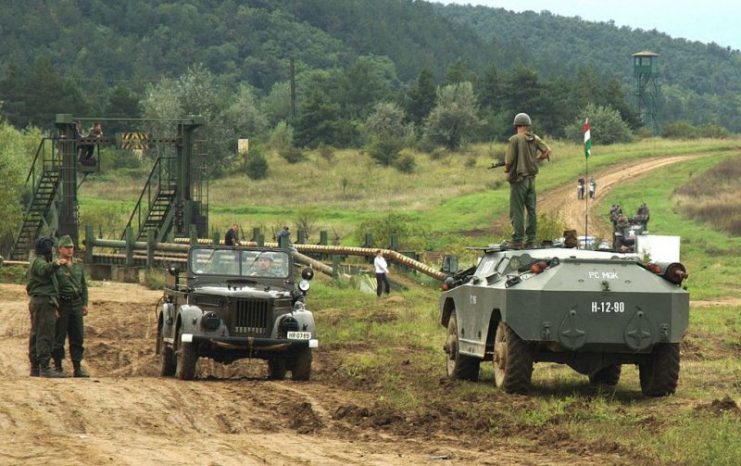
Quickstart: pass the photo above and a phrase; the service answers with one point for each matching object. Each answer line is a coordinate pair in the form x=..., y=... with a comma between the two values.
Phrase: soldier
x=232, y=238
x=44, y=291
x=524, y=151
x=73, y=301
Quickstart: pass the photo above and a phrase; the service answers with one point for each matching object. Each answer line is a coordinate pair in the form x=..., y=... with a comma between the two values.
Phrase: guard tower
x=646, y=76
x=172, y=201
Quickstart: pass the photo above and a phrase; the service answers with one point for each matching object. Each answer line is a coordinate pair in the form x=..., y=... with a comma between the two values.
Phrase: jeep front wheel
x=301, y=367
x=276, y=369
x=186, y=358
x=513, y=363
x=660, y=373
x=457, y=365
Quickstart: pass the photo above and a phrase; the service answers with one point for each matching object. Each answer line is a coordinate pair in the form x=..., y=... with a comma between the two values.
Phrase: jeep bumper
x=250, y=343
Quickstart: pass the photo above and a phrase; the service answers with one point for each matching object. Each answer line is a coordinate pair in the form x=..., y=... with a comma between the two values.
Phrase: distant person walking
x=284, y=233
x=43, y=288
x=73, y=302
x=524, y=151
x=580, y=189
x=592, y=188
x=232, y=236
x=381, y=268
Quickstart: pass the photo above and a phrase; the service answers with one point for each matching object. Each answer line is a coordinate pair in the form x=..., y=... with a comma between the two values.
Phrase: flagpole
x=587, y=153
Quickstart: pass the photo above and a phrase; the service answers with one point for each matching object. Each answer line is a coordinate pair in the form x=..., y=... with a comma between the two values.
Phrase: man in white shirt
x=382, y=270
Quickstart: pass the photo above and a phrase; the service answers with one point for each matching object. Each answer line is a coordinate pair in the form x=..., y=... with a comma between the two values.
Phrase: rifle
x=496, y=165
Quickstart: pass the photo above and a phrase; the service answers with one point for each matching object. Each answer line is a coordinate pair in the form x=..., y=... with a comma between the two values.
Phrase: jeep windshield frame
x=238, y=263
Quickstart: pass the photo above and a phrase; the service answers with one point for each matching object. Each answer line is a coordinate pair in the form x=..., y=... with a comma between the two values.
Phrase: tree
x=454, y=119
x=607, y=127
x=387, y=133
x=319, y=120
x=421, y=98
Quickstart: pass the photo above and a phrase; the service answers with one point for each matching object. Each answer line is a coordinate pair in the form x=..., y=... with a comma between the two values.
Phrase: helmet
x=44, y=246
x=522, y=119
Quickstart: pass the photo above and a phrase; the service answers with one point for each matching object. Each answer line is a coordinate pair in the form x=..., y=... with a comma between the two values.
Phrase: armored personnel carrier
x=591, y=310
x=232, y=303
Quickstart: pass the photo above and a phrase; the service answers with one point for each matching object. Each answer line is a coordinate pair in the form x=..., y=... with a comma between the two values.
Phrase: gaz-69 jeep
x=233, y=303
x=591, y=310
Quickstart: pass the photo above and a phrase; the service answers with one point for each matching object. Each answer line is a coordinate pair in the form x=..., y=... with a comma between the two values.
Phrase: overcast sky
x=706, y=21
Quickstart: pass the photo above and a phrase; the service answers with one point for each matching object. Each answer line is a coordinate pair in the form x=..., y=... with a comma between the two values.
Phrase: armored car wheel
x=276, y=369
x=186, y=358
x=609, y=375
x=301, y=367
x=459, y=366
x=660, y=374
x=513, y=363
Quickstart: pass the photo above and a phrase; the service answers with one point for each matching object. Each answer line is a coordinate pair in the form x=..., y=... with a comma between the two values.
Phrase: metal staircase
x=44, y=178
x=154, y=209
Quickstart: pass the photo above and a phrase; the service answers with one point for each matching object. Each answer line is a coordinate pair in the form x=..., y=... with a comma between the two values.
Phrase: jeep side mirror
x=173, y=270
x=307, y=273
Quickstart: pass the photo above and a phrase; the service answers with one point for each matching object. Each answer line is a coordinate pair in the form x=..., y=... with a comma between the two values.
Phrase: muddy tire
x=167, y=367
x=276, y=369
x=609, y=375
x=457, y=365
x=660, y=374
x=513, y=361
x=186, y=358
x=302, y=365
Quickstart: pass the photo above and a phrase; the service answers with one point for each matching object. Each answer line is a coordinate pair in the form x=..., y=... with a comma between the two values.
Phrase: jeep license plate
x=299, y=335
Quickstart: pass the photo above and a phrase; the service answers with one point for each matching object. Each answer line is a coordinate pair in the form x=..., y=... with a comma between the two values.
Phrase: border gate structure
x=173, y=201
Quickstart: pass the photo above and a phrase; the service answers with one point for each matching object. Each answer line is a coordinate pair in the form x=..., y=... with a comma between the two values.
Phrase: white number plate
x=299, y=335
x=608, y=307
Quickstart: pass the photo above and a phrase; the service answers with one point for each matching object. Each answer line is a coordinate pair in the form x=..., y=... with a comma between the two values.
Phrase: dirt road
x=126, y=414
x=563, y=201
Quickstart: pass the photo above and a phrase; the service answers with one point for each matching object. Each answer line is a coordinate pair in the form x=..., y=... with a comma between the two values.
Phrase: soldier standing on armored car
x=524, y=151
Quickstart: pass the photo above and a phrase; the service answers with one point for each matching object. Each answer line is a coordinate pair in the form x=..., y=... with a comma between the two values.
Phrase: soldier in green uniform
x=524, y=151
x=43, y=289
x=73, y=300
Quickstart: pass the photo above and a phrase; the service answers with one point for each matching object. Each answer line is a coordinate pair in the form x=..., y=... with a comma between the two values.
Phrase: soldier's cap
x=65, y=242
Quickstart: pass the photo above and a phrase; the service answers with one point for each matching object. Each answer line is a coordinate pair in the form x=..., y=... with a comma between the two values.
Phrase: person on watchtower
x=96, y=131
x=525, y=151
x=73, y=302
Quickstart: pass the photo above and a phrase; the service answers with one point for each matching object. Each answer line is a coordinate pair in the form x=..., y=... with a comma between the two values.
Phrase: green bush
x=154, y=279
x=326, y=152
x=292, y=154
x=405, y=163
x=385, y=150
x=680, y=130
x=256, y=166
x=716, y=131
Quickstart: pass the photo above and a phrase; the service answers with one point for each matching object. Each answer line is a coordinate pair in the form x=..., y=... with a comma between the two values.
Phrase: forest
x=384, y=75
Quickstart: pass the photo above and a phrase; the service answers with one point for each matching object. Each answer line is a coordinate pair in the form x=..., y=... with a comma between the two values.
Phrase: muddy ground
x=126, y=414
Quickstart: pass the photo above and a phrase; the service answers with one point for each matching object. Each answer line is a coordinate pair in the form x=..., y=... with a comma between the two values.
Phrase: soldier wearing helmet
x=525, y=151
x=43, y=289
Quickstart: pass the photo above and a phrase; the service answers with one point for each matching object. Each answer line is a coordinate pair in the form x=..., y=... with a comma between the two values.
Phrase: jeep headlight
x=304, y=285
x=210, y=321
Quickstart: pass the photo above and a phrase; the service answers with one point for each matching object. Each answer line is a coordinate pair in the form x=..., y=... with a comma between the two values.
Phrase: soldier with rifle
x=525, y=151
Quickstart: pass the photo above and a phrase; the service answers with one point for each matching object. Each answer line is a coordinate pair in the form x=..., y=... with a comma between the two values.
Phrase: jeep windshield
x=239, y=263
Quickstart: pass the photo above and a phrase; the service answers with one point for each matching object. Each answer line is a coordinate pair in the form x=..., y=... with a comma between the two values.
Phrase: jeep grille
x=252, y=317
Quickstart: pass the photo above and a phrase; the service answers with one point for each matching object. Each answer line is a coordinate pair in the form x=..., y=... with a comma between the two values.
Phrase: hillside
x=95, y=47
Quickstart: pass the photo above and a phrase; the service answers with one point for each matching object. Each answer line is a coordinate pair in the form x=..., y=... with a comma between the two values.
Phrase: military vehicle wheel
x=659, y=375
x=459, y=366
x=167, y=369
x=186, y=358
x=513, y=363
x=301, y=367
x=609, y=375
x=276, y=369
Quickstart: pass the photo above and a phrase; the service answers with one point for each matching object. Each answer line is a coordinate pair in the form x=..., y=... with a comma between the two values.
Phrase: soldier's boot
x=58, y=368
x=49, y=373
x=79, y=371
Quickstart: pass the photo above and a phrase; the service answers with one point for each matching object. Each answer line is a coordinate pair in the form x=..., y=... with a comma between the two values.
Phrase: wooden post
x=89, y=243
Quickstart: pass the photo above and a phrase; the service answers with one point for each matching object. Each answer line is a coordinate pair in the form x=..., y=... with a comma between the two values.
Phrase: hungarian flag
x=587, y=140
